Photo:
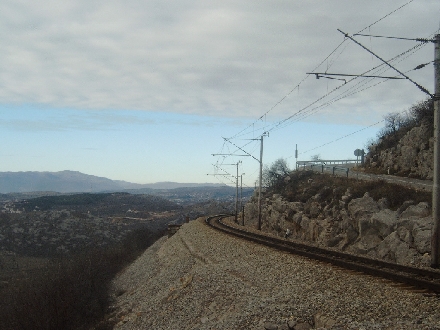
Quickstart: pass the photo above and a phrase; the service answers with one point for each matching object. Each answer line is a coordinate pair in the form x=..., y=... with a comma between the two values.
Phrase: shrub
x=306, y=184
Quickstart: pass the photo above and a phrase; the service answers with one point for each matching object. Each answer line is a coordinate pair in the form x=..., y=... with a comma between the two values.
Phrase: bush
x=72, y=292
x=398, y=124
x=306, y=184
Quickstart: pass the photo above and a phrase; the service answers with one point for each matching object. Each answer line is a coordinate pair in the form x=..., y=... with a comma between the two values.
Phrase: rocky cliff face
x=357, y=225
x=412, y=156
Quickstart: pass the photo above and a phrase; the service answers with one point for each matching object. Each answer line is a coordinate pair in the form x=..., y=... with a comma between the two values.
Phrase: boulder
x=404, y=206
x=421, y=233
x=381, y=223
x=360, y=207
x=315, y=209
x=323, y=321
x=420, y=210
x=396, y=247
x=365, y=244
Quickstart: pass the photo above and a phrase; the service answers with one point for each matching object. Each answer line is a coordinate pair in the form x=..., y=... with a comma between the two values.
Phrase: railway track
x=415, y=278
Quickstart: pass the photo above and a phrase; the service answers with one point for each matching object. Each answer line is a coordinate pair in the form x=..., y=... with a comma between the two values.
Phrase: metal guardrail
x=327, y=165
x=332, y=168
x=326, y=162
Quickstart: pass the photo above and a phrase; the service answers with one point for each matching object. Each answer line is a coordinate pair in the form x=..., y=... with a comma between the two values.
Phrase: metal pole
x=242, y=215
x=296, y=156
x=236, y=195
x=261, y=182
x=241, y=190
x=436, y=181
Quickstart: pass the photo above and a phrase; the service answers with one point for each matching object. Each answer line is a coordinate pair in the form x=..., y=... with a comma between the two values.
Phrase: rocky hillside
x=377, y=219
x=405, y=145
x=412, y=156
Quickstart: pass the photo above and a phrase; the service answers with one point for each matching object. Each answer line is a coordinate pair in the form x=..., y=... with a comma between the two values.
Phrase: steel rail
x=415, y=277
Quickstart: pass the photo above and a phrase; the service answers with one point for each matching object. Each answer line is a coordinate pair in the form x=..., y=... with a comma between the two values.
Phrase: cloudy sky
x=145, y=91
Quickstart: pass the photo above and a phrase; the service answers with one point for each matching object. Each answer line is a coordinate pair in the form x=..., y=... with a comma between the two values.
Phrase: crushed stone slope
x=203, y=279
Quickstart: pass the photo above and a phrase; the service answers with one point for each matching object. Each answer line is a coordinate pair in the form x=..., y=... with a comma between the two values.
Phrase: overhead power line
x=423, y=89
x=297, y=86
x=389, y=14
x=310, y=109
x=342, y=137
x=399, y=38
x=322, y=74
x=314, y=107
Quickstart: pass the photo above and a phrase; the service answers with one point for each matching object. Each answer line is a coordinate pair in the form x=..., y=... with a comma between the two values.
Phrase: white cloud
x=229, y=58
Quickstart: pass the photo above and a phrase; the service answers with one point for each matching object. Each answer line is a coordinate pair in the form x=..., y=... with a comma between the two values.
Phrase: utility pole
x=260, y=180
x=261, y=171
x=241, y=189
x=236, y=194
x=435, y=237
x=236, y=181
x=435, y=246
x=296, y=156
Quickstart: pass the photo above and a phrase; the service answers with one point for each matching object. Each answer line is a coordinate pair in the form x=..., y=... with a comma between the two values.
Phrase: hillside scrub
x=72, y=291
x=398, y=124
x=303, y=185
x=404, y=147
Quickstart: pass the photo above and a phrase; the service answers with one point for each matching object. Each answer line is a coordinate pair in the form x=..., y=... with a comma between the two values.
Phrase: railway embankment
x=203, y=279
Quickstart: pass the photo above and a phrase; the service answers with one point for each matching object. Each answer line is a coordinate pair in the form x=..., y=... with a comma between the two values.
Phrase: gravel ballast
x=203, y=279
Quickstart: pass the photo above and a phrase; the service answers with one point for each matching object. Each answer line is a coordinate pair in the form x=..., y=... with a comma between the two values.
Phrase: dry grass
x=305, y=184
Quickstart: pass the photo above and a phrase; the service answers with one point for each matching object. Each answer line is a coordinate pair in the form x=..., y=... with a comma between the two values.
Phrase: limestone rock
x=270, y=326
x=363, y=206
x=323, y=321
x=420, y=210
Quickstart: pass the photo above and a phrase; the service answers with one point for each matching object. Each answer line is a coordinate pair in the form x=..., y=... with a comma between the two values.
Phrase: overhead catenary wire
x=340, y=138
x=285, y=96
x=398, y=38
x=239, y=134
x=355, y=89
x=389, y=14
x=313, y=107
x=306, y=112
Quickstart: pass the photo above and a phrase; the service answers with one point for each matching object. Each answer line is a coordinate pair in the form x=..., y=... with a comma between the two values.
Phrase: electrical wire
x=305, y=112
x=382, y=18
x=342, y=137
x=239, y=134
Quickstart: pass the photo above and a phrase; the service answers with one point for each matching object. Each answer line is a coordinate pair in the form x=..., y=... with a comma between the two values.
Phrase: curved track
x=415, y=277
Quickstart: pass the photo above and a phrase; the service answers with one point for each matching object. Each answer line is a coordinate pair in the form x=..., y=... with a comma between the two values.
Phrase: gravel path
x=203, y=279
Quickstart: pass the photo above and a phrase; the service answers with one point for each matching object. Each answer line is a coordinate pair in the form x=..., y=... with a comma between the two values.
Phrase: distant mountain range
x=73, y=181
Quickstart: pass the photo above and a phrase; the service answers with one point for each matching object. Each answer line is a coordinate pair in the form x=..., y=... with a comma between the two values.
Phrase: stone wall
x=360, y=225
x=412, y=156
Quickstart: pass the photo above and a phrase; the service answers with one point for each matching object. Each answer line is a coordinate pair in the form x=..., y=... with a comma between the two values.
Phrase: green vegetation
x=71, y=292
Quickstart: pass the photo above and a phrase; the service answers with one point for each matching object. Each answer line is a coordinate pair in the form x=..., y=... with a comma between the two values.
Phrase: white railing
x=326, y=162
x=326, y=165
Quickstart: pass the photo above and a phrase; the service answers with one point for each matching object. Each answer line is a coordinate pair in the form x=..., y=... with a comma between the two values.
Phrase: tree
x=423, y=112
x=277, y=170
x=315, y=158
